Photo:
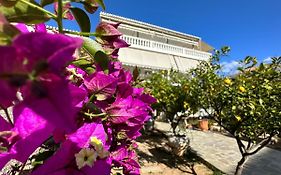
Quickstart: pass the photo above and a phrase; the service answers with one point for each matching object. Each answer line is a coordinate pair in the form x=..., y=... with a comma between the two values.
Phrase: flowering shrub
x=70, y=114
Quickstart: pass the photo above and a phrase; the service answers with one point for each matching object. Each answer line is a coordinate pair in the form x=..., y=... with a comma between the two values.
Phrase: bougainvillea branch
x=72, y=112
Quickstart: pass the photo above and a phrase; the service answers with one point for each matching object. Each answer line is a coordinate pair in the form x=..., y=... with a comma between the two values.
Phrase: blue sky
x=249, y=27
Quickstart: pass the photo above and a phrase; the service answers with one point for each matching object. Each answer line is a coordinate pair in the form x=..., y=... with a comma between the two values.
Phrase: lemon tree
x=169, y=87
x=247, y=105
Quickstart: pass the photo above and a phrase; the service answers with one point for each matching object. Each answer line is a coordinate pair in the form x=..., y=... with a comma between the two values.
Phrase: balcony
x=155, y=46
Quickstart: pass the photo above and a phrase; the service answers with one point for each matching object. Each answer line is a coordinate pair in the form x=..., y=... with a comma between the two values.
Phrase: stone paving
x=223, y=153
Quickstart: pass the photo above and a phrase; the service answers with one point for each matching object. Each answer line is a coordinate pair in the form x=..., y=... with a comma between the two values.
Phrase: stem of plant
x=59, y=16
x=82, y=33
x=39, y=8
x=94, y=115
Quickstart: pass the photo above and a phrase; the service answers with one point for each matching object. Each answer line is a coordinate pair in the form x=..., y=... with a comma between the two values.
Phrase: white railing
x=150, y=45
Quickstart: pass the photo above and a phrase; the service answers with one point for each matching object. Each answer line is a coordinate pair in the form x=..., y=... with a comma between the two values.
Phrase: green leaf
x=102, y=59
x=8, y=3
x=24, y=13
x=101, y=3
x=82, y=19
x=81, y=62
x=46, y=2
x=86, y=65
x=91, y=46
x=7, y=33
x=90, y=7
x=3, y=149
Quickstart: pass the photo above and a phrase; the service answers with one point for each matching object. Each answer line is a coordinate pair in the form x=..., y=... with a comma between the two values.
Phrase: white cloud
x=230, y=68
x=267, y=60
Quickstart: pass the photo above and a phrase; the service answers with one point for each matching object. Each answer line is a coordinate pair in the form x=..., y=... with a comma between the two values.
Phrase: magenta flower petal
x=119, y=43
x=119, y=116
x=22, y=27
x=4, y=124
x=124, y=90
x=67, y=14
x=5, y=158
x=103, y=86
x=82, y=136
x=138, y=91
x=57, y=164
x=102, y=166
x=57, y=108
x=54, y=49
x=8, y=94
x=107, y=30
x=63, y=161
x=40, y=28
x=32, y=129
x=127, y=159
x=10, y=61
x=148, y=99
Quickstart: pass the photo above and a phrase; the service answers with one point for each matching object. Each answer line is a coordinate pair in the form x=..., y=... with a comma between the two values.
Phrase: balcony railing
x=155, y=46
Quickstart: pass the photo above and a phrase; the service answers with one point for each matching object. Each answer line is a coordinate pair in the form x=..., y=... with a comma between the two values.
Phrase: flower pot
x=203, y=125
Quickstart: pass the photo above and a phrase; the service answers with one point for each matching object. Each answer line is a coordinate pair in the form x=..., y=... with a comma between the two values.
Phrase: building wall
x=153, y=47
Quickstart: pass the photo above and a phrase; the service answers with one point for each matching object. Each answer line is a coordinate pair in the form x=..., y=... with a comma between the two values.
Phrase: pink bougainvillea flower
x=23, y=28
x=11, y=75
x=43, y=50
x=124, y=90
x=101, y=85
x=65, y=10
x=123, y=76
x=33, y=53
x=91, y=6
x=118, y=111
x=40, y=28
x=127, y=158
x=29, y=132
x=109, y=37
x=8, y=94
x=49, y=101
x=108, y=30
x=55, y=100
x=63, y=162
x=123, y=110
x=75, y=74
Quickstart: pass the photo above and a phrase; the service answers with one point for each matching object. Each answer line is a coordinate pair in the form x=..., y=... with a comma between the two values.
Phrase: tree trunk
x=240, y=165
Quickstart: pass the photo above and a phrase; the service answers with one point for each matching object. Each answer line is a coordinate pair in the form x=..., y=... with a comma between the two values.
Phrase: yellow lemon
x=238, y=118
x=242, y=89
x=227, y=81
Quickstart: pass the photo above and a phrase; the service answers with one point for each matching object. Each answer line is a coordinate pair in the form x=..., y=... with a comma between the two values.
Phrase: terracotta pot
x=203, y=125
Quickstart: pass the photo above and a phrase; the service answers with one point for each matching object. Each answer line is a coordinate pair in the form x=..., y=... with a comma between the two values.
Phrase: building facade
x=157, y=48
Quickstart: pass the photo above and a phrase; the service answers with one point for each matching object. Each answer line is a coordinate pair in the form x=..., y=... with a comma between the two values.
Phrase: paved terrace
x=223, y=153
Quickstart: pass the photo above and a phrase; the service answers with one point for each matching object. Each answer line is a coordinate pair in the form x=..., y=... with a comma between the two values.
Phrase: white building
x=153, y=47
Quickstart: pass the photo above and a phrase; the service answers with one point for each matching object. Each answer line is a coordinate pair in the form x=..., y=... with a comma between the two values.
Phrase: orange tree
x=246, y=105
x=169, y=88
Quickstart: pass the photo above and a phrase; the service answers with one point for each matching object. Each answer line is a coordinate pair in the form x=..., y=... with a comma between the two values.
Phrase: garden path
x=222, y=152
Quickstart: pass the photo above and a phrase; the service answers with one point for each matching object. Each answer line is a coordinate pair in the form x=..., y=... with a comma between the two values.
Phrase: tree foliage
x=170, y=90
x=247, y=105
